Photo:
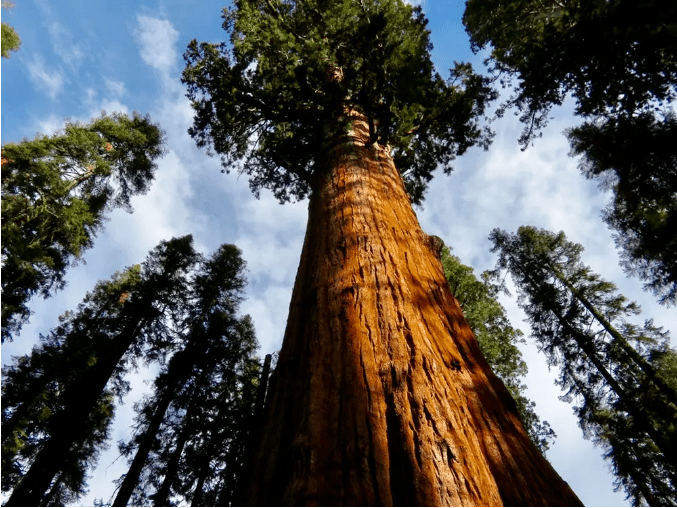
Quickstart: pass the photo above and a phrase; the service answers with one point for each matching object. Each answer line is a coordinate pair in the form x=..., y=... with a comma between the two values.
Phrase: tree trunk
x=382, y=395
x=641, y=362
x=135, y=469
x=161, y=497
x=70, y=424
x=640, y=417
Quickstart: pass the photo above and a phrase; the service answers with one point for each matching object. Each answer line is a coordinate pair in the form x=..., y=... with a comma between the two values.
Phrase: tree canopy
x=615, y=57
x=55, y=193
x=636, y=159
x=276, y=97
x=618, y=58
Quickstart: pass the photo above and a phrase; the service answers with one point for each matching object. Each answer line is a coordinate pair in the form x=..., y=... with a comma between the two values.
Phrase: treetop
x=275, y=96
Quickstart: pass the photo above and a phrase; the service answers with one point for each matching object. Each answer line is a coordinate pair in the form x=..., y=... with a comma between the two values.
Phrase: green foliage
x=617, y=371
x=10, y=39
x=615, y=57
x=618, y=59
x=55, y=193
x=636, y=159
x=276, y=97
x=497, y=339
x=191, y=433
x=58, y=401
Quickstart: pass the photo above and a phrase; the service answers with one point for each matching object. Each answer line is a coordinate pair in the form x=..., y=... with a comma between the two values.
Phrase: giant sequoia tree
x=496, y=337
x=381, y=394
x=620, y=373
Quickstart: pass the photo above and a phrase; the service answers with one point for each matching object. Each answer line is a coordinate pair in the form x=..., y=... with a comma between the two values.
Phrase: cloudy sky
x=80, y=57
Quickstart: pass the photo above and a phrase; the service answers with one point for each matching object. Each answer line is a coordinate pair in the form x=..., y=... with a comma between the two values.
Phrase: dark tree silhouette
x=82, y=364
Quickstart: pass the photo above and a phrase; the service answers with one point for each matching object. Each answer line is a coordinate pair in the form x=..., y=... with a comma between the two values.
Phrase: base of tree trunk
x=381, y=395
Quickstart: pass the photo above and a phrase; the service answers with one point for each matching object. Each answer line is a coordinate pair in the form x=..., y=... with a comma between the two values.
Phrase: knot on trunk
x=434, y=243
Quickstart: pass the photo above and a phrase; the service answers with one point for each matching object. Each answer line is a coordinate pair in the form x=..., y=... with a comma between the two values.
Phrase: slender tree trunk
x=161, y=497
x=196, y=500
x=180, y=367
x=136, y=467
x=640, y=417
x=382, y=394
x=206, y=471
x=637, y=476
x=643, y=364
x=69, y=424
x=261, y=392
x=52, y=492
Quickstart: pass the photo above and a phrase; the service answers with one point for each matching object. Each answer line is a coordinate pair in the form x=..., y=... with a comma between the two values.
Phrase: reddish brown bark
x=381, y=394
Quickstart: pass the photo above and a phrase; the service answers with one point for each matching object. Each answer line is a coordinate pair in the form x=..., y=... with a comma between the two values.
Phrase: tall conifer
x=619, y=373
x=207, y=388
x=57, y=421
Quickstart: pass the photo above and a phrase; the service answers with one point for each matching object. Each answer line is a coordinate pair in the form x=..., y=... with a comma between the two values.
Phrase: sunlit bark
x=381, y=394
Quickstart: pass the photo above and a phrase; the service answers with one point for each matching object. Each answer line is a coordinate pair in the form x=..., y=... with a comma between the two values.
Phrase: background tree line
x=177, y=309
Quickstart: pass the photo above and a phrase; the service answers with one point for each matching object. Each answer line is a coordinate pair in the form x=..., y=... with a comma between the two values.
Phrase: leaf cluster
x=10, y=39
x=643, y=211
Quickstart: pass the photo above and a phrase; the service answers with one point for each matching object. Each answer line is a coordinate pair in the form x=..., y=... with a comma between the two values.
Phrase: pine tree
x=55, y=193
x=83, y=364
x=497, y=339
x=617, y=371
x=381, y=394
x=210, y=384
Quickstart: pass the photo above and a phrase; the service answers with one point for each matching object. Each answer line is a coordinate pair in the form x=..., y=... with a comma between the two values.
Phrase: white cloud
x=269, y=312
x=161, y=214
x=49, y=81
x=50, y=125
x=157, y=39
x=109, y=103
x=115, y=88
x=64, y=45
x=63, y=42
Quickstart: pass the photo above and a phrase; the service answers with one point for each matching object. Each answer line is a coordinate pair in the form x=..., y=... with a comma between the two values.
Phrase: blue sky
x=81, y=56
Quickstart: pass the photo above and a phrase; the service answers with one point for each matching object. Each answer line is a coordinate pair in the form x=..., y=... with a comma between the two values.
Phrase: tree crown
x=276, y=97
